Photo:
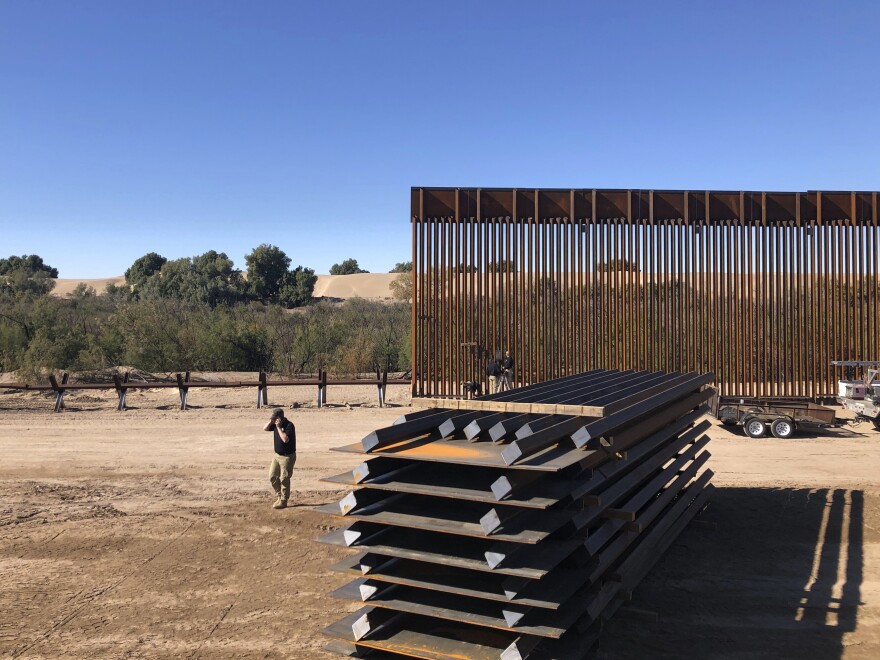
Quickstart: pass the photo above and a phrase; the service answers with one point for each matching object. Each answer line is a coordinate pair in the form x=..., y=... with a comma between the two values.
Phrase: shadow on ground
x=767, y=573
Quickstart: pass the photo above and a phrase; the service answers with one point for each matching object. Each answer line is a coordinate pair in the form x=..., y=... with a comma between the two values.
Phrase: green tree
x=30, y=263
x=67, y=334
x=267, y=268
x=214, y=280
x=207, y=278
x=117, y=294
x=297, y=287
x=616, y=265
x=347, y=267
x=144, y=268
x=314, y=334
x=26, y=275
x=503, y=266
x=154, y=337
x=22, y=282
x=402, y=267
x=16, y=328
x=179, y=319
x=401, y=287
x=83, y=290
x=369, y=335
x=168, y=282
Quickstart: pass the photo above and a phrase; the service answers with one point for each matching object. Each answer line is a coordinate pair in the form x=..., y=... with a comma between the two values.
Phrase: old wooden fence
x=183, y=383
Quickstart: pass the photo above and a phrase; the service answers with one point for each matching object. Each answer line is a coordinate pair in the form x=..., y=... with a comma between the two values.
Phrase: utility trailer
x=861, y=395
x=781, y=417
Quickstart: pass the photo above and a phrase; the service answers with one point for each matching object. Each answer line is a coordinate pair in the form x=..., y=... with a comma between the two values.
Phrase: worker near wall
x=506, y=372
x=472, y=388
x=493, y=371
x=285, y=456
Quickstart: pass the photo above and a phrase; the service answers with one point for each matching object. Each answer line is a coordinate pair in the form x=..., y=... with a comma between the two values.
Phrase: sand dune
x=372, y=286
x=64, y=287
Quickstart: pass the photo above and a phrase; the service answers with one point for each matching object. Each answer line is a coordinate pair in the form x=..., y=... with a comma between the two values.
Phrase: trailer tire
x=754, y=427
x=782, y=428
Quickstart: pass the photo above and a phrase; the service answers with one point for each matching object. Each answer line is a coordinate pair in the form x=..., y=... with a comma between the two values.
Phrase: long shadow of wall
x=768, y=573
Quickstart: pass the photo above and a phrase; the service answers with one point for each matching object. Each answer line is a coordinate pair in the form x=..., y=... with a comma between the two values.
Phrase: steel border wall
x=762, y=288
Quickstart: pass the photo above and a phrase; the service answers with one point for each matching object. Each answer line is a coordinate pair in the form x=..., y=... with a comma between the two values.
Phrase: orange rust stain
x=394, y=446
x=412, y=649
x=444, y=451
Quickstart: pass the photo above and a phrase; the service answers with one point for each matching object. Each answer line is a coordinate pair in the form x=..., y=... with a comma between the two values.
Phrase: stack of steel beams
x=510, y=526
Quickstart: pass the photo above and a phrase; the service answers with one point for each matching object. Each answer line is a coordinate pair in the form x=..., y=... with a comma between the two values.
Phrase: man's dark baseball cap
x=278, y=412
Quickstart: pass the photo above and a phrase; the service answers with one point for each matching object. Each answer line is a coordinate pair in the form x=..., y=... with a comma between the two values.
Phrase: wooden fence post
x=120, y=390
x=382, y=385
x=322, y=388
x=183, y=388
x=59, y=389
x=262, y=391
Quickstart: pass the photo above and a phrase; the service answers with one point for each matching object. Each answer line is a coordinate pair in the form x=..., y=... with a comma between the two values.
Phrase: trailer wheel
x=782, y=428
x=754, y=427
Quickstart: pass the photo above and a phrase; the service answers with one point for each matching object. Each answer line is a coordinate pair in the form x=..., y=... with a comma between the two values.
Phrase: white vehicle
x=861, y=396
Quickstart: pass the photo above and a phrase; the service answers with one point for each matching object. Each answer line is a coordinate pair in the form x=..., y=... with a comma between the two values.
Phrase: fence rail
x=763, y=289
x=183, y=383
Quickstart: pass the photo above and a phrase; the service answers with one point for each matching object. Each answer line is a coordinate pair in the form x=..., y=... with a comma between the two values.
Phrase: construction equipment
x=861, y=395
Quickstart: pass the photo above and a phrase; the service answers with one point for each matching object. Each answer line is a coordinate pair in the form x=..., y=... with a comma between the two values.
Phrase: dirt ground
x=149, y=533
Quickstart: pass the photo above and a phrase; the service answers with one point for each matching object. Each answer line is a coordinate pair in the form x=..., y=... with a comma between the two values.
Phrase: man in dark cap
x=506, y=372
x=285, y=456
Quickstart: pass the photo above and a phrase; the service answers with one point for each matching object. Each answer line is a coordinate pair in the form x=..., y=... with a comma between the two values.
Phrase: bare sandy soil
x=149, y=533
x=372, y=286
x=64, y=287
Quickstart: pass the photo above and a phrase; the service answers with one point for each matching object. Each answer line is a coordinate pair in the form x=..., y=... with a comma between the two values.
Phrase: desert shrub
x=297, y=287
x=271, y=280
x=401, y=287
x=143, y=268
x=197, y=314
x=29, y=263
x=208, y=278
x=347, y=267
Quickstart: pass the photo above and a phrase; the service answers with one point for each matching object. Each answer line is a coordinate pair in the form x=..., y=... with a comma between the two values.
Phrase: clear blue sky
x=180, y=127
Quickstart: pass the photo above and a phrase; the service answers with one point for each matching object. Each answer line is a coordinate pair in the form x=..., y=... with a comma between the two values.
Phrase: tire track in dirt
x=94, y=594
x=223, y=614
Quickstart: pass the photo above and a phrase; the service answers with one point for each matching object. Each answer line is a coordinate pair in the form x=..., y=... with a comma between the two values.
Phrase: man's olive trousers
x=280, y=473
